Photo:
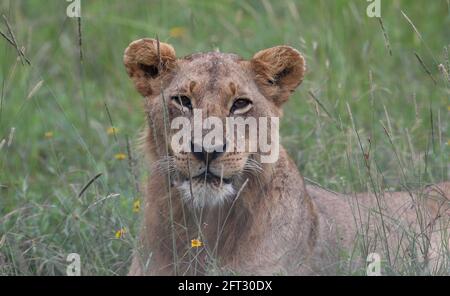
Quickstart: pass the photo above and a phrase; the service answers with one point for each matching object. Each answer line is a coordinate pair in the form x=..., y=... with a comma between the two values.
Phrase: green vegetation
x=62, y=105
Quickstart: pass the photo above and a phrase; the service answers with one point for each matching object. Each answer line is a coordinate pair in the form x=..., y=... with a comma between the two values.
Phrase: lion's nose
x=207, y=155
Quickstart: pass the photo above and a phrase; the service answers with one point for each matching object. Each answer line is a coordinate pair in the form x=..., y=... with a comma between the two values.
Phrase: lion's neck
x=258, y=216
x=272, y=215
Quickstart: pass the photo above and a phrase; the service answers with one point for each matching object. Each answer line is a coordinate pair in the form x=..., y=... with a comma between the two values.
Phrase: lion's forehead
x=212, y=71
x=205, y=56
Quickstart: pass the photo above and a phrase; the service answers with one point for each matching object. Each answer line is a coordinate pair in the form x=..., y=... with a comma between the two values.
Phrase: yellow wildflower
x=48, y=135
x=136, y=206
x=177, y=32
x=195, y=243
x=112, y=130
x=120, y=156
x=448, y=107
x=121, y=232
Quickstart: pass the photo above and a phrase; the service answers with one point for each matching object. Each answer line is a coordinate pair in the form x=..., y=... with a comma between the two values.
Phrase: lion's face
x=206, y=91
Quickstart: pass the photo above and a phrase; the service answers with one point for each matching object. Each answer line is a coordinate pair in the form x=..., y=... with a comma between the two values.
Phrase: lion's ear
x=148, y=64
x=278, y=72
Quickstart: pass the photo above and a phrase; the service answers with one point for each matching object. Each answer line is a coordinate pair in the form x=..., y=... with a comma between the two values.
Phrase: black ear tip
x=149, y=70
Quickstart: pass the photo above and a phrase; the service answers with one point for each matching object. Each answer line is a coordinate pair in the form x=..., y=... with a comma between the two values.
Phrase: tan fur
x=275, y=224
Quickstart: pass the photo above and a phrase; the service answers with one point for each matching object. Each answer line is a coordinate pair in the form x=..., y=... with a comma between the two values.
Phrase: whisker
x=164, y=165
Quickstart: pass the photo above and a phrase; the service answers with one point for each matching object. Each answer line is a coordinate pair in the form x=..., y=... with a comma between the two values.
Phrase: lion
x=226, y=212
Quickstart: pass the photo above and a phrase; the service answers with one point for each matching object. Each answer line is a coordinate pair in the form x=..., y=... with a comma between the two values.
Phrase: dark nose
x=203, y=155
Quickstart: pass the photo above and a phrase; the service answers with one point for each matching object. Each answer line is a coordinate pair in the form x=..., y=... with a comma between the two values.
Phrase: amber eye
x=240, y=106
x=183, y=101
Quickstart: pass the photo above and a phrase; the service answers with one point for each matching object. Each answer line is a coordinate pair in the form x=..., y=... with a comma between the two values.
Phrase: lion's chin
x=205, y=194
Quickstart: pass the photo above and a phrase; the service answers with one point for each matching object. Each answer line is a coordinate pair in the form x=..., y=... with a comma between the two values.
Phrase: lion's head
x=218, y=85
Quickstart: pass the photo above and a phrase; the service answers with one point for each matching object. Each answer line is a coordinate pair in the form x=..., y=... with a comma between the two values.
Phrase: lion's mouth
x=211, y=178
x=206, y=189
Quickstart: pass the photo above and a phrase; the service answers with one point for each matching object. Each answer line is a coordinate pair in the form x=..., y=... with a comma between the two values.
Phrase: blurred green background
x=359, y=107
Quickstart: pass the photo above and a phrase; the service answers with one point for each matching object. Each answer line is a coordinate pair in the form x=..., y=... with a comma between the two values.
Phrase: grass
x=357, y=100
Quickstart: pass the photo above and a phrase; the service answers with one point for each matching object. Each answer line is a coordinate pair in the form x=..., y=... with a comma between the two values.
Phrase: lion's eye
x=240, y=106
x=183, y=101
